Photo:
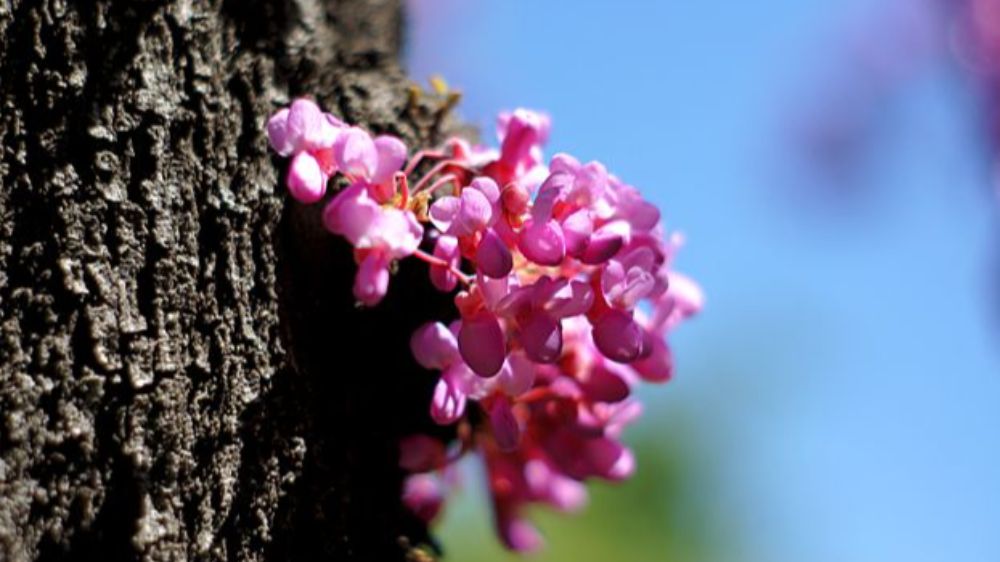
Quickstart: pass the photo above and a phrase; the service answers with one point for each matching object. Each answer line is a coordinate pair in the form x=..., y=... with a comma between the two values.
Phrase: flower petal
x=304, y=127
x=391, y=154
x=474, y=213
x=306, y=182
x=542, y=242
x=446, y=248
x=577, y=229
x=277, y=133
x=448, y=403
x=506, y=430
x=618, y=336
x=351, y=214
x=481, y=342
x=493, y=257
x=372, y=280
x=443, y=212
x=355, y=153
x=541, y=336
x=434, y=346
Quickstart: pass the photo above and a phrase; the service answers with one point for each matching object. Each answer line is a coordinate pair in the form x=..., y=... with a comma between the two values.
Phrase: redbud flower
x=554, y=262
x=309, y=134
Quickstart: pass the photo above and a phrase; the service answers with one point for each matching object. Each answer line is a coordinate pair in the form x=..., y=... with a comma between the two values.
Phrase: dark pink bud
x=492, y=256
x=604, y=244
x=482, y=345
x=603, y=385
x=434, y=346
x=515, y=199
x=541, y=336
x=519, y=535
x=372, y=279
x=618, y=336
x=659, y=365
x=423, y=495
x=577, y=229
x=542, y=242
x=506, y=429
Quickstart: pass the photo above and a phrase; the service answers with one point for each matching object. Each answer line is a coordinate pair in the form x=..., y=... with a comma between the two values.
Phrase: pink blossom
x=445, y=249
x=469, y=213
x=380, y=234
x=541, y=366
x=522, y=133
x=307, y=134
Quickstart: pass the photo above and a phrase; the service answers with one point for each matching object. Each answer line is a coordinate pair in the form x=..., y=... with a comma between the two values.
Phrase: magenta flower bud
x=515, y=199
x=605, y=243
x=550, y=193
x=448, y=403
x=604, y=385
x=493, y=257
x=434, y=346
x=355, y=154
x=306, y=182
x=659, y=365
x=423, y=495
x=624, y=467
x=618, y=336
x=608, y=459
x=541, y=337
x=542, y=242
x=577, y=229
x=372, y=280
x=446, y=248
x=524, y=132
x=519, y=535
x=506, y=429
x=482, y=344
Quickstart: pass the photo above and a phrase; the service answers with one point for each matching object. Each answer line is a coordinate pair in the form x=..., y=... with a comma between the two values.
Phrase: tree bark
x=183, y=372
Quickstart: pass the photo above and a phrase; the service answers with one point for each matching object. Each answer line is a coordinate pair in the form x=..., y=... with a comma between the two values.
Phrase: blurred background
x=832, y=166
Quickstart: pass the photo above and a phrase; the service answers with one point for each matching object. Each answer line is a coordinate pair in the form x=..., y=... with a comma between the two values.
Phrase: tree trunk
x=183, y=372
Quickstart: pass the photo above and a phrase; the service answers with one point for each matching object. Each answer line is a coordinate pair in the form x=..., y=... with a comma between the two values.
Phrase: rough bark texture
x=183, y=373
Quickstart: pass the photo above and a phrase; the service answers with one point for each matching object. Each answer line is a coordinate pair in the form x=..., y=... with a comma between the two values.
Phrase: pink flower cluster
x=549, y=263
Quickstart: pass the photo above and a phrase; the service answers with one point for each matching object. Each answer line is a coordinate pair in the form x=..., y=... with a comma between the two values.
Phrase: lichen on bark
x=183, y=375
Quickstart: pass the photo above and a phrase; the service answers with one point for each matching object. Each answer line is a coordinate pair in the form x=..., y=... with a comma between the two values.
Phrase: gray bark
x=183, y=375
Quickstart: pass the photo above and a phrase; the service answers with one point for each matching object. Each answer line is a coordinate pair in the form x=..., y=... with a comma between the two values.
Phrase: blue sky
x=845, y=377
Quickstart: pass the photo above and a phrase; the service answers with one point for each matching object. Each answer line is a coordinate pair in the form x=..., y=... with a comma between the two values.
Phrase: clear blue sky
x=845, y=376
